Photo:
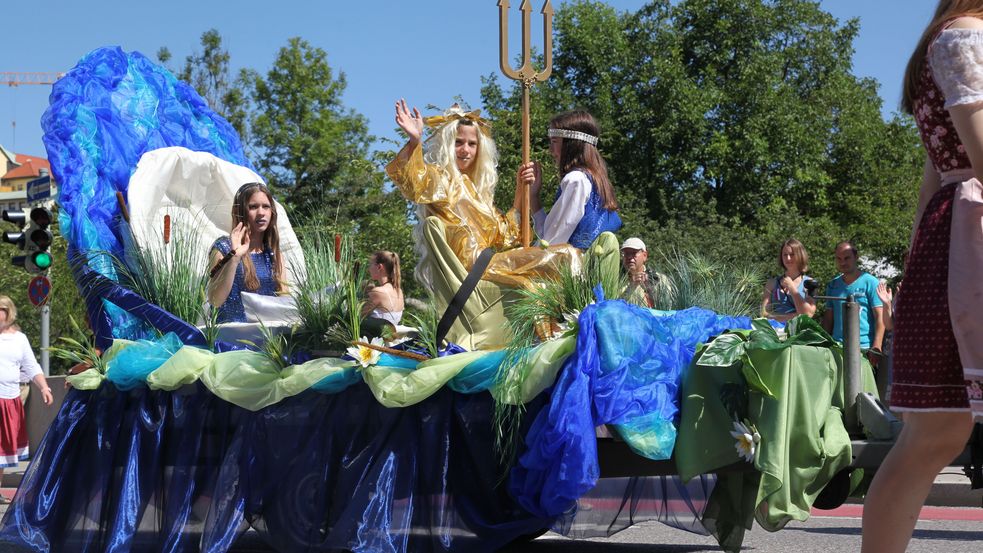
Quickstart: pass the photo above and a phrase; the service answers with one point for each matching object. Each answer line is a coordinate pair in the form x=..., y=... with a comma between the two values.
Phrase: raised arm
x=220, y=285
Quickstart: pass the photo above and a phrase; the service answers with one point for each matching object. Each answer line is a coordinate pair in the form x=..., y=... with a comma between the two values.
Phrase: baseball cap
x=635, y=244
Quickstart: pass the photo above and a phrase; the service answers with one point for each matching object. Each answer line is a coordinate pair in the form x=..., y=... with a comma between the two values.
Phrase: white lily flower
x=747, y=440
x=366, y=356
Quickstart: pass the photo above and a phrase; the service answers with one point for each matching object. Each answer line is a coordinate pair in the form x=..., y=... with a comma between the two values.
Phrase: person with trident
x=452, y=176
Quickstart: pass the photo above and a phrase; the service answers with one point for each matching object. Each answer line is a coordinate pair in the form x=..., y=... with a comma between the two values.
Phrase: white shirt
x=17, y=363
x=557, y=226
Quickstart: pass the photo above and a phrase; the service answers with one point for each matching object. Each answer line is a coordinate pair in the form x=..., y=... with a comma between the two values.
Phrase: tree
x=299, y=126
x=208, y=72
x=729, y=125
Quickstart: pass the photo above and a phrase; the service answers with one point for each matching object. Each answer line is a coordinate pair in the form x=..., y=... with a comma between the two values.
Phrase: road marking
x=928, y=513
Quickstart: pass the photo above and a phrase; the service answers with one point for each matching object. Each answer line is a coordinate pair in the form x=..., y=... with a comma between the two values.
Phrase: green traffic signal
x=41, y=260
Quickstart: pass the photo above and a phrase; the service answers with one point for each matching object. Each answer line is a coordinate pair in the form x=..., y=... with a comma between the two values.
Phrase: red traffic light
x=41, y=216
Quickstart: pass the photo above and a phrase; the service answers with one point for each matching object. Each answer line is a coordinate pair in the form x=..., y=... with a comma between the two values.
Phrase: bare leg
x=927, y=444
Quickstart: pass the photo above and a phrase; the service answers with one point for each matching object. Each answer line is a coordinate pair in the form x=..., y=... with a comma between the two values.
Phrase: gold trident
x=527, y=75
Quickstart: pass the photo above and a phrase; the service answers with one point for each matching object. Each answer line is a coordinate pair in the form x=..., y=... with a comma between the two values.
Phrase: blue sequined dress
x=596, y=219
x=232, y=311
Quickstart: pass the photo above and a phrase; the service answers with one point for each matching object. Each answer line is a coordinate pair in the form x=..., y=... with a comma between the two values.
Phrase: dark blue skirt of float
x=151, y=471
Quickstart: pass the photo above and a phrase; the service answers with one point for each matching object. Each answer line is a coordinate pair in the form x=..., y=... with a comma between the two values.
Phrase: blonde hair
x=798, y=252
x=439, y=150
x=7, y=304
x=946, y=11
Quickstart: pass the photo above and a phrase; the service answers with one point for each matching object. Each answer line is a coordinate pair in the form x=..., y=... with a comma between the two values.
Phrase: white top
x=17, y=363
x=557, y=226
x=956, y=59
x=391, y=316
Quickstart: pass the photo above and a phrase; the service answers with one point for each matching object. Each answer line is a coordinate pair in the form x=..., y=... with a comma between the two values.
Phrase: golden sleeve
x=508, y=229
x=418, y=181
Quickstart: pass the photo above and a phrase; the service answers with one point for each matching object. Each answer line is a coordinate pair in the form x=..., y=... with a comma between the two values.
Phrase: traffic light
x=37, y=241
x=34, y=242
x=17, y=238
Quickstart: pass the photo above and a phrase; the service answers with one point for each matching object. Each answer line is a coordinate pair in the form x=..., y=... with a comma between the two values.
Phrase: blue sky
x=427, y=50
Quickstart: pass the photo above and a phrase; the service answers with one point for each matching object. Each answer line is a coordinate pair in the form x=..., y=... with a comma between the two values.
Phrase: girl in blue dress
x=249, y=259
x=585, y=205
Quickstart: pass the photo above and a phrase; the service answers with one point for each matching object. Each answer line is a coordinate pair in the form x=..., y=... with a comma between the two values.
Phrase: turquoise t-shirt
x=864, y=290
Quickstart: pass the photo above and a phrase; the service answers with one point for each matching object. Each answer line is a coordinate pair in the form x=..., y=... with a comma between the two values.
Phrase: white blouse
x=956, y=59
x=17, y=363
x=557, y=226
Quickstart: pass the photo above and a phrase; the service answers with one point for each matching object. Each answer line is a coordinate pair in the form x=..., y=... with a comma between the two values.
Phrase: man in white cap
x=641, y=289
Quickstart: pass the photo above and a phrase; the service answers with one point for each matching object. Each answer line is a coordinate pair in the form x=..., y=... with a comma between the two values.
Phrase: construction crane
x=14, y=78
x=11, y=78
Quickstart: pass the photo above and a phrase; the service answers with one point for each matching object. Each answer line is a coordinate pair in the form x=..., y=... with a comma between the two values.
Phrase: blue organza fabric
x=626, y=372
x=104, y=114
x=129, y=369
x=171, y=471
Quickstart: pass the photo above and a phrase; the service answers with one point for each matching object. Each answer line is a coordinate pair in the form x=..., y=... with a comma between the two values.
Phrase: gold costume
x=473, y=224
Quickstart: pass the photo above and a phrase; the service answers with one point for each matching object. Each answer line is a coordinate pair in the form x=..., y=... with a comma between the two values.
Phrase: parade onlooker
x=938, y=339
x=17, y=363
x=785, y=296
x=585, y=205
x=641, y=286
x=863, y=287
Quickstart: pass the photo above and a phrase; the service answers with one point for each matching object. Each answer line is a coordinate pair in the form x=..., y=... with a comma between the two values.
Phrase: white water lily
x=747, y=440
x=366, y=356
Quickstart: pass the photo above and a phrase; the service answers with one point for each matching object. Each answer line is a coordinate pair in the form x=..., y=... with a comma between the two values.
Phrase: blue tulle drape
x=103, y=115
x=626, y=372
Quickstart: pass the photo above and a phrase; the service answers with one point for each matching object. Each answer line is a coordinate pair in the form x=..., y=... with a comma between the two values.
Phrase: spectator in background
x=863, y=287
x=641, y=286
x=17, y=362
x=785, y=296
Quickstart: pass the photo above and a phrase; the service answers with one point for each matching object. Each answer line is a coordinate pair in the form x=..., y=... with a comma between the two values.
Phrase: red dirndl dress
x=936, y=337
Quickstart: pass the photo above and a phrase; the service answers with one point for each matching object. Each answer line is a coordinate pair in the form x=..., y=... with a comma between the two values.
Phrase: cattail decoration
x=337, y=248
x=167, y=229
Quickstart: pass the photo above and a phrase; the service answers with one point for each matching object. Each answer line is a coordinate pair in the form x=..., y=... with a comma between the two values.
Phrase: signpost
x=39, y=189
x=38, y=291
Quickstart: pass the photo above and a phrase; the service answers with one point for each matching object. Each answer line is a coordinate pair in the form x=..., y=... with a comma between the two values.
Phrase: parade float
x=592, y=414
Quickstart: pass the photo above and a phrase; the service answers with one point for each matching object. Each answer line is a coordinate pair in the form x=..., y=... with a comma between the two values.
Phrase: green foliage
x=65, y=301
x=728, y=126
x=299, y=125
x=172, y=275
x=688, y=279
x=425, y=321
x=78, y=347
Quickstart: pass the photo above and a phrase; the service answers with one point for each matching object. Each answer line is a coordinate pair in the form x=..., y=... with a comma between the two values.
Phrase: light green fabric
x=394, y=387
x=252, y=381
x=792, y=392
x=91, y=379
x=539, y=371
x=482, y=323
x=184, y=367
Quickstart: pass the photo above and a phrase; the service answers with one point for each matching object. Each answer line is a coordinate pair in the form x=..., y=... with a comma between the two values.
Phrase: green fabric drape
x=792, y=391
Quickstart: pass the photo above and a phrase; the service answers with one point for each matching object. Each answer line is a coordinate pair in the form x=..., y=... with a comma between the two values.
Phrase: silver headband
x=576, y=135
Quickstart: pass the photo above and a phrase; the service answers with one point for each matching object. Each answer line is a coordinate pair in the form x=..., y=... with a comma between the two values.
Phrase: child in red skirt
x=17, y=363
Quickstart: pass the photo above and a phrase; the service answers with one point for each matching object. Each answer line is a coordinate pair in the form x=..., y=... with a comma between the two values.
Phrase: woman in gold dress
x=452, y=176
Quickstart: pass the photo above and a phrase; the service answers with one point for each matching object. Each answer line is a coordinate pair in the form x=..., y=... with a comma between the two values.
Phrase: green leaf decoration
x=724, y=351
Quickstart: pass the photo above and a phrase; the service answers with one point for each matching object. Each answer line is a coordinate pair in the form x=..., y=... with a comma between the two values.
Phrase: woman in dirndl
x=938, y=343
x=17, y=364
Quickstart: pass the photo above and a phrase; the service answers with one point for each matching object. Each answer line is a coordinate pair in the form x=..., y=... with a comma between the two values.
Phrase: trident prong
x=527, y=75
